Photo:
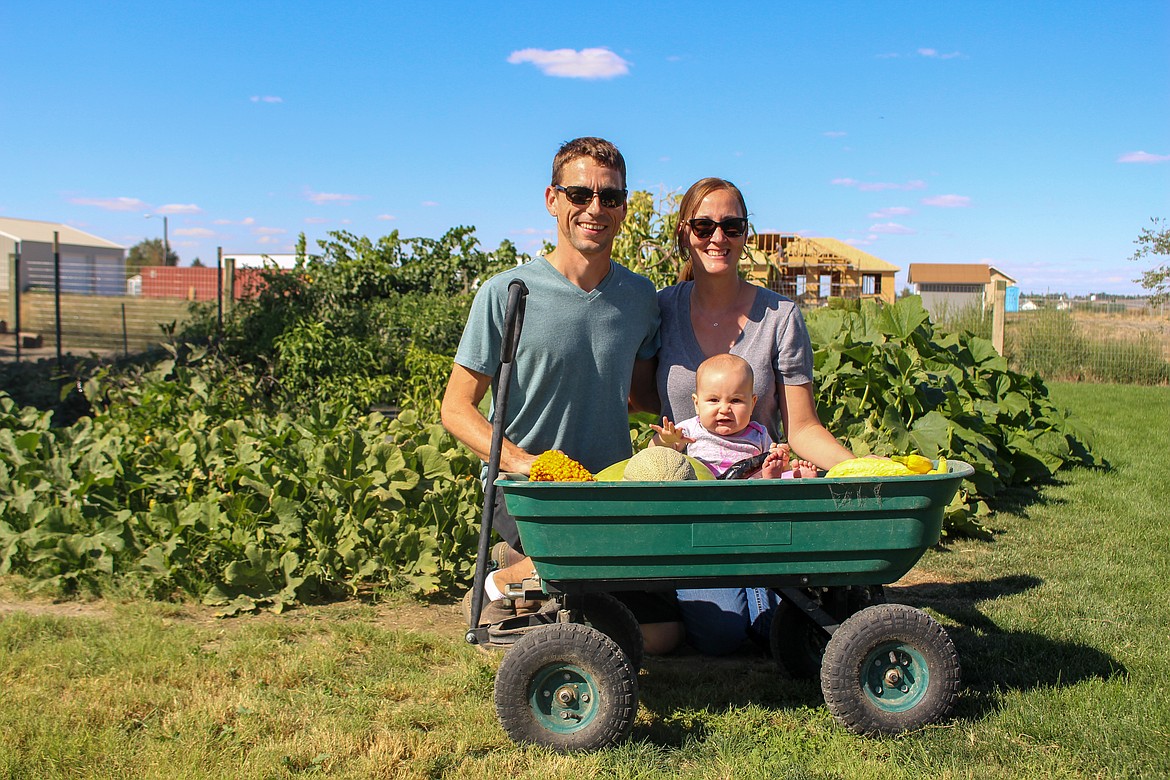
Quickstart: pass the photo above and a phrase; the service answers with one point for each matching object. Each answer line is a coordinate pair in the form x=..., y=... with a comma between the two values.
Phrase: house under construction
x=812, y=270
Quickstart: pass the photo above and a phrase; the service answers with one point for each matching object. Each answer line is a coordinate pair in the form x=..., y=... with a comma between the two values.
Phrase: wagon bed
x=599, y=536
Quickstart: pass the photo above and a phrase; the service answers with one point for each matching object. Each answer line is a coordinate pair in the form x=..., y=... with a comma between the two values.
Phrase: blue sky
x=1031, y=135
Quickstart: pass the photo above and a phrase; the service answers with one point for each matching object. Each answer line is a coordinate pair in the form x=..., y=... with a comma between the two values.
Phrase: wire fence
x=50, y=308
x=53, y=307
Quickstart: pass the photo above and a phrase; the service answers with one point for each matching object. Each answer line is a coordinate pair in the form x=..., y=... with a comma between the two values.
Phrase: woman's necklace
x=721, y=314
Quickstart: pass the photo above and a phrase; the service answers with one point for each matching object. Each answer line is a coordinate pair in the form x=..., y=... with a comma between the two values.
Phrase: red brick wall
x=194, y=284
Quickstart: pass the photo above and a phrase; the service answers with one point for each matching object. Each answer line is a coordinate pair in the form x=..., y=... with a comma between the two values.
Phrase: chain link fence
x=1122, y=340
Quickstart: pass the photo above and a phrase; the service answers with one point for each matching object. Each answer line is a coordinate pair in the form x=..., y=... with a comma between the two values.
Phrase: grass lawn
x=1062, y=624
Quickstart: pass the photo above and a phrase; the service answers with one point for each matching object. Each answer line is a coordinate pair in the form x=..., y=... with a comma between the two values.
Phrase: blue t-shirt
x=571, y=375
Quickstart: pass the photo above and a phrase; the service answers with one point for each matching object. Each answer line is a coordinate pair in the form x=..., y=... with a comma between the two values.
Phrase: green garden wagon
x=568, y=679
x=569, y=676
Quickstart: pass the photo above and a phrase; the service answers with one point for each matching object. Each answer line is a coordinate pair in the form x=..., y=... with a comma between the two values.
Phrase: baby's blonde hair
x=724, y=363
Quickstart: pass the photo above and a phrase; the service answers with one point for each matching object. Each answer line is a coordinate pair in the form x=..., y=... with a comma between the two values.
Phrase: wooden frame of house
x=812, y=270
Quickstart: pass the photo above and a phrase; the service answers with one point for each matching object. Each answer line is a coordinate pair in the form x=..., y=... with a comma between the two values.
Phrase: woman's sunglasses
x=732, y=227
x=582, y=196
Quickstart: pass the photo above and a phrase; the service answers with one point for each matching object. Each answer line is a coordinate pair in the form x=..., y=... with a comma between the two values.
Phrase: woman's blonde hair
x=687, y=208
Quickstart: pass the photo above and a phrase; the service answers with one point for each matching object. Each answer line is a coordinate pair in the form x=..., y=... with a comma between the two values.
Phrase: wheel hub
x=563, y=698
x=896, y=677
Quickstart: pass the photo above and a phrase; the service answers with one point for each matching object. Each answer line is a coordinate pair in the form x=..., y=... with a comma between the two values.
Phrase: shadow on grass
x=678, y=690
x=994, y=659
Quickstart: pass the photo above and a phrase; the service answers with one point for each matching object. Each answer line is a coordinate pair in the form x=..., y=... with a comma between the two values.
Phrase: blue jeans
x=719, y=620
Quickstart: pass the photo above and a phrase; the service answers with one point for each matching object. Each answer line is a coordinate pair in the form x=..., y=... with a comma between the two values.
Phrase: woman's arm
x=806, y=434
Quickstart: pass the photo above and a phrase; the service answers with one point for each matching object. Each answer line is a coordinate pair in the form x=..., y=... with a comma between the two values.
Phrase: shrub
x=256, y=510
x=888, y=383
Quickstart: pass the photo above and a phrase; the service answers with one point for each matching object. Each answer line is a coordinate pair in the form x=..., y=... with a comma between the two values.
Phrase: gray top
x=575, y=359
x=774, y=342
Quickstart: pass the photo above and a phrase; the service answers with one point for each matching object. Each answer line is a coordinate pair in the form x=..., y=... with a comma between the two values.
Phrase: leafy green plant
x=165, y=487
x=889, y=383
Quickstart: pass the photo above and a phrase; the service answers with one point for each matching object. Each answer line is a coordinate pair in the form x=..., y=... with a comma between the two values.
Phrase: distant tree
x=197, y=263
x=1155, y=241
x=148, y=251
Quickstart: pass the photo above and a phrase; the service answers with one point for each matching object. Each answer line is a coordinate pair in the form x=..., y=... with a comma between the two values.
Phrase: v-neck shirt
x=571, y=375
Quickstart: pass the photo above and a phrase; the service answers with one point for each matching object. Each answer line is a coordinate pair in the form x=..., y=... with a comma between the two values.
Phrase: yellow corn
x=556, y=466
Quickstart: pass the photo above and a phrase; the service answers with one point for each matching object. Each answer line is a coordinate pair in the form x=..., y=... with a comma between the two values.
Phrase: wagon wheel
x=568, y=687
x=614, y=619
x=888, y=669
x=798, y=642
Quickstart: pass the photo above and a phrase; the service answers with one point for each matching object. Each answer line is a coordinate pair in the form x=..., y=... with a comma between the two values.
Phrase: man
x=590, y=333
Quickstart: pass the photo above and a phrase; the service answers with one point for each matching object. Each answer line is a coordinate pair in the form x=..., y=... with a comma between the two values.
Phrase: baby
x=723, y=432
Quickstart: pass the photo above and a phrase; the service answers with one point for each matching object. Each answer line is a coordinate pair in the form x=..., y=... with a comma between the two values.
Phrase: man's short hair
x=599, y=150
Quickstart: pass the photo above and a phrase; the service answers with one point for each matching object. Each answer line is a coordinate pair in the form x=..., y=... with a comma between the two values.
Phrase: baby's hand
x=666, y=435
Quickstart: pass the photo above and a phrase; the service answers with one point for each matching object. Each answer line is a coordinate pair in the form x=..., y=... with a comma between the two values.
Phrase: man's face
x=591, y=228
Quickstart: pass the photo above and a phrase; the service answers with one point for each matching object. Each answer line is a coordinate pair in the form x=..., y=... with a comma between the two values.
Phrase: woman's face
x=717, y=253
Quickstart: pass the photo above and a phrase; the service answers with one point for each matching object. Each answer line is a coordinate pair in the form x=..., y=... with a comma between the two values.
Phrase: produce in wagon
x=658, y=464
x=869, y=467
x=556, y=466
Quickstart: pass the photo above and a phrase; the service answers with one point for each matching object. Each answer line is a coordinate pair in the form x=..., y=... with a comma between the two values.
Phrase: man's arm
x=644, y=388
x=462, y=419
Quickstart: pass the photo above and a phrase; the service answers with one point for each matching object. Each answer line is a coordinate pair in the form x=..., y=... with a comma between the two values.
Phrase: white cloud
x=179, y=208
x=891, y=229
x=194, y=232
x=892, y=211
x=268, y=231
x=1143, y=157
x=321, y=198
x=878, y=186
x=429, y=203
x=244, y=221
x=569, y=63
x=111, y=204
x=316, y=220
x=948, y=201
x=934, y=54
x=267, y=99
x=386, y=217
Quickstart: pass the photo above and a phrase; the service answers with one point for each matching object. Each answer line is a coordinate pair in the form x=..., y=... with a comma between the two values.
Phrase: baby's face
x=724, y=401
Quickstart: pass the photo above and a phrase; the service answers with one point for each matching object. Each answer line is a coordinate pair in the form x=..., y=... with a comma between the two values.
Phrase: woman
x=711, y=310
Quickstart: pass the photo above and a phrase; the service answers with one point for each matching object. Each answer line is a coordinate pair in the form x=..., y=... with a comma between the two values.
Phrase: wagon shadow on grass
x=677, y=690
x=995, y=659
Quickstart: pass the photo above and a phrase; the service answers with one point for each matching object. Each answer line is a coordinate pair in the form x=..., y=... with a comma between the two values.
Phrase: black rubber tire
x=568, y=687
x=798, y=642
x=889, y=669
x=614, y=619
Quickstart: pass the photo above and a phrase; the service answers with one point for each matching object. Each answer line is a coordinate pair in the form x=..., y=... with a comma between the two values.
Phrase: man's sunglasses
x=732, y=227
x=583, y=196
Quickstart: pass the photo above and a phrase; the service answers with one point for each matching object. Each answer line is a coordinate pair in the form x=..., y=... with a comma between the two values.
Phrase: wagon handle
x=513, y=324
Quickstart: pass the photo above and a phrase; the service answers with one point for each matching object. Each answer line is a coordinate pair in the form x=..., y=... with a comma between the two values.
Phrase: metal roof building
x=89, y=264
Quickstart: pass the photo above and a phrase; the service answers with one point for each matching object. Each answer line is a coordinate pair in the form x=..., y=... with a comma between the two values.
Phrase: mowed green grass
x=1061, y=623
